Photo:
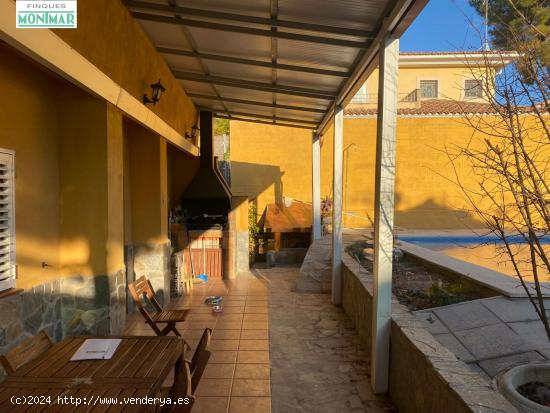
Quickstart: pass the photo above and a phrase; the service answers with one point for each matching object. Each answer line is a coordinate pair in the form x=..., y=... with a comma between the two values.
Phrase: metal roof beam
x=342, y=31
x=399, y=18
x=238, y=60
x=255, y=103
x=249, y=30
x=262, y=122
x=257, y=115
x=247, y=84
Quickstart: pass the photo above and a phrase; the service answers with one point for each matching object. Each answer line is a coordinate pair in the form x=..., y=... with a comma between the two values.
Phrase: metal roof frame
x=230, y=59
x=256, y=103
x=248, y=84
x=249, y=30
x=272, y=22
x=309, y=66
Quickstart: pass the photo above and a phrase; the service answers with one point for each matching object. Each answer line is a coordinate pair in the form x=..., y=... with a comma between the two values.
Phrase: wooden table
x=138, y=368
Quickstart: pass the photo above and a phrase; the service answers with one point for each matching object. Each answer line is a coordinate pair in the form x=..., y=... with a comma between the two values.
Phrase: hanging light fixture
x=157, y=90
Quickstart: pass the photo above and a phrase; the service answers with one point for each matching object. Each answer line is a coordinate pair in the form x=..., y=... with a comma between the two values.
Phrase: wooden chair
x=182, y=388
x=141, y=288
x=188, y=374
x=200, y=359
x=26, y=351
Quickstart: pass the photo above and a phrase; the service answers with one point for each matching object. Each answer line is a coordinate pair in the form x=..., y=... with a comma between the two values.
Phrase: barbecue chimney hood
x=208, y=193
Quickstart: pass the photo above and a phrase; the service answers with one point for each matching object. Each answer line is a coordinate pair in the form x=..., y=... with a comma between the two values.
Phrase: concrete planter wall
x=515, y=377
x=424, y=375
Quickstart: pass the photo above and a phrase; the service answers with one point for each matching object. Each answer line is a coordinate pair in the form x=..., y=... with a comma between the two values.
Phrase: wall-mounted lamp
x=193, y=134
x=157, y=90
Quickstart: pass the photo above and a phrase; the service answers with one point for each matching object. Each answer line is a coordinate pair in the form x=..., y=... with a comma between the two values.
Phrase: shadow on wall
x=430, y=214
x=254, y=180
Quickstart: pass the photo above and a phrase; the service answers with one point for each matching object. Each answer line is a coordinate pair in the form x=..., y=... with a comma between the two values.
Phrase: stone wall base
x=68, y=306
x=153, y=261
x=424, y=375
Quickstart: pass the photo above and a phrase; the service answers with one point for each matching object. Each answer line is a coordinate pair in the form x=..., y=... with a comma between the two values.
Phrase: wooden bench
x=141, y=288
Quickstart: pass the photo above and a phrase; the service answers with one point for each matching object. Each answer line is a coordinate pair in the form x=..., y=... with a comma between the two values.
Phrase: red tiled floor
x=237, y=378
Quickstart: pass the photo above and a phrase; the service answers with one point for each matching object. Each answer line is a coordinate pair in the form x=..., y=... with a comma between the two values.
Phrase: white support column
x=383, y=212
x=316, y=186
x=337, y=206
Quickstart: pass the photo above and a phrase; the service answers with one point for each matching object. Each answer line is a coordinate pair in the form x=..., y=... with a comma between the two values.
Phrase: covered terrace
x=274, y=62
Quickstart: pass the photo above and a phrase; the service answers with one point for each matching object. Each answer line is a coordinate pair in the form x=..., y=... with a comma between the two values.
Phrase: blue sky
x=443, y=25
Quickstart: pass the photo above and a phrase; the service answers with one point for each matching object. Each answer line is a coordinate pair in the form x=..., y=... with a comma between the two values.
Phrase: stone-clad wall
x=90, y=305
x=153, y=261
x=424, y=375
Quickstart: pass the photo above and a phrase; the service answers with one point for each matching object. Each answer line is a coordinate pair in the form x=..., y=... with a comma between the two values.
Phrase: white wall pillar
x=337, y=206
x=316, y=186
x=383, y=212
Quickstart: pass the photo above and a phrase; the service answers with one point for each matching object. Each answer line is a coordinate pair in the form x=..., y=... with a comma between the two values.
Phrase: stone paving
x=299, y=353
x=490, y=334
x=317, y=361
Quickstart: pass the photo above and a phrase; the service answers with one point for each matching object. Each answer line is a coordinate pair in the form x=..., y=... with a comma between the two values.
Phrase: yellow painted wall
x=269, y=162
x=112, y=40
x=68, y=183
x=32, y=132
x=115, y=190
x=424, y=199
x=83, y=178
x=147, y=170
x=70, y=151
x=240, y=209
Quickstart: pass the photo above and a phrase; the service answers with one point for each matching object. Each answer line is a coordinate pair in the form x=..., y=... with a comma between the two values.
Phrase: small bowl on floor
x=217, y=309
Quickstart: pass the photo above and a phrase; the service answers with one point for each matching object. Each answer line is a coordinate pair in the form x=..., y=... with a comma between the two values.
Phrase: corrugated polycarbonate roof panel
x=317, y=35
x=212, y=104
x=165, y=34
x=246, y=94
x=316, y=55
x=197, y=87
x=191, y=64
x=310, y=80
x=238, y=44
x=356, y=14
x=301, y=101
x=248, y=7
x=236, y=71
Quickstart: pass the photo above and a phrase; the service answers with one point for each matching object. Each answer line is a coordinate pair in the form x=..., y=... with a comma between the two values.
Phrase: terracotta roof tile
x=430, y=107
x=458, y=52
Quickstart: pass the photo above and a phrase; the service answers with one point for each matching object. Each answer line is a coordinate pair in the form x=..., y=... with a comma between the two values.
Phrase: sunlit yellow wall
x=148, y=188
x=424, y=196
x=68, y=174
x=112, y=40
x=269, y=162
x=83, y=179
x=71, y=212
x=28, y=119
x=115, y=191
x=239, y=206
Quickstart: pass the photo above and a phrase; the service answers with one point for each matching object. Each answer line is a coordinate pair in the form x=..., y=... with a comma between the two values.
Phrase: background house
x=269, y=163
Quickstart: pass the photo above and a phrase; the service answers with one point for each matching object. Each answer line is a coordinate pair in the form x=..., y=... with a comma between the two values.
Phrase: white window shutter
x=7, y=220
